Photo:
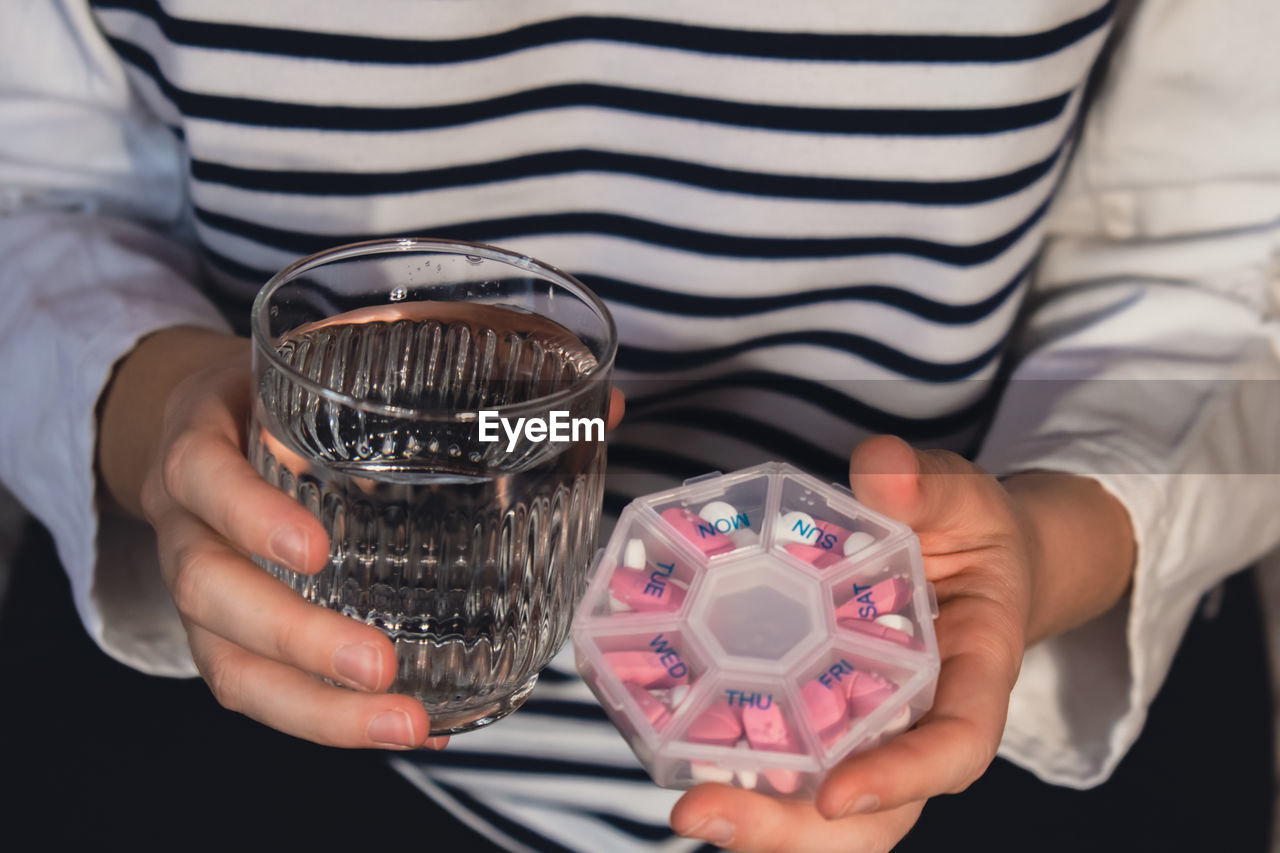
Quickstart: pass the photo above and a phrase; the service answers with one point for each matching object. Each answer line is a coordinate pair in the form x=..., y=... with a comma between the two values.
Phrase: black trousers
x=95, y=752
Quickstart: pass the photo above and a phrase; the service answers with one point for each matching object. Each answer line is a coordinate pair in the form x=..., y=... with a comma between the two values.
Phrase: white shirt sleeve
x=1151, y=359
x=90, y=197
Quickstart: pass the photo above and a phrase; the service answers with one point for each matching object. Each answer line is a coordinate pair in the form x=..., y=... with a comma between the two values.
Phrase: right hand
x=257, y=643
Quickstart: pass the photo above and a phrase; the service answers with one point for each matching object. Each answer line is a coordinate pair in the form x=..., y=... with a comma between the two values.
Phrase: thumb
x=924, y=489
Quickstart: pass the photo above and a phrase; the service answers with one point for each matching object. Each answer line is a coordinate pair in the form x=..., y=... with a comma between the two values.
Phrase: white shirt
x=1146, y=356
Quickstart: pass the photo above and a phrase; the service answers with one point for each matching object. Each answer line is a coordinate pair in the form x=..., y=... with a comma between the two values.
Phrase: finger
x=217, y=589
x=206, y=472
x=956, y=741
x=617, y=407
x=923, y=489
x=753, y=823
x=293, y=702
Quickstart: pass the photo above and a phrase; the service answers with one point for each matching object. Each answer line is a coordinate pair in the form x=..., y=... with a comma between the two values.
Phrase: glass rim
x=260, y=331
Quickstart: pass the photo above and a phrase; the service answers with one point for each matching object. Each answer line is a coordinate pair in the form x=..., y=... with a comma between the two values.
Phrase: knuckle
x=189, y=571
x=976, y=757
x=152, y=498
x=224, y=680
x=176, y=460
x=285, y=639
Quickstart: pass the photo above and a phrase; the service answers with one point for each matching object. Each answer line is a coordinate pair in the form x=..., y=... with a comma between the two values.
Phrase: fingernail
x=392, y=728
x=436, y=743
x=360, y=666
x=288, y=546
x=716, y=830
x=862, y=805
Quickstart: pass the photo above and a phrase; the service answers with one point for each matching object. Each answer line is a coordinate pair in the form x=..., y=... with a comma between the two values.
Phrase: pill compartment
x=719, y=515
x=643, y=572
x=759, y=625
x=744, y=729
x=877, y=597
x=853, y=696
x=821, y=525
x=646, y=672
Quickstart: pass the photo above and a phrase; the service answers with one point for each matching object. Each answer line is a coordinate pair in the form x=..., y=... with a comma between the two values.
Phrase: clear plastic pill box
x=755, y=628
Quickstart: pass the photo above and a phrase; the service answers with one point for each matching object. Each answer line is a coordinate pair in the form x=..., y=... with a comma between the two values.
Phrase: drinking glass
x=373, y=364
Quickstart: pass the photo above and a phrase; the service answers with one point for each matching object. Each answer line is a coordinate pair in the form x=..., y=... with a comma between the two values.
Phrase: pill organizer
x=755, y=628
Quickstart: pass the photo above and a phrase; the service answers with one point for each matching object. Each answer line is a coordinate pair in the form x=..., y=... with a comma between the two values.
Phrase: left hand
x=995, y=554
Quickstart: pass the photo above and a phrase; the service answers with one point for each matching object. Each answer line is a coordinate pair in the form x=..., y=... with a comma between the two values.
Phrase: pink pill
x=824, y=546
x=866, y=691
x=766, y=728
x=654, y=711
x=868, y=602
x=647, y=590
x=718, y=726
x=827, y=706
x=702, y=533
x=783, y=781
x=884, y=632
x=647, y=669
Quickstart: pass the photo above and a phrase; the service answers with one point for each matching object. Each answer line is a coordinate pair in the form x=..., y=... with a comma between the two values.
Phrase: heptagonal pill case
x=755, y=628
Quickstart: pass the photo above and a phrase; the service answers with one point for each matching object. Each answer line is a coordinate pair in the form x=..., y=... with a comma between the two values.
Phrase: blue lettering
x=667, y=568
x=668, y=657
x=727, y=525
x=705, y=530
x=740, y=697
x=858, y=590
x=803, y=529
x=827, y=540
x=741, y=521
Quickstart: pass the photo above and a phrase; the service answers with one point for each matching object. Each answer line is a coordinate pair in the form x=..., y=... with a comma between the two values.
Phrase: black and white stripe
x=811, y=220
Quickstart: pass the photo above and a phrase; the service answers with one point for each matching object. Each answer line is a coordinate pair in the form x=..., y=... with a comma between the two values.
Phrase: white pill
x=857, y=540
x=704, y=772
x=616, y=606
x=795, y=526
x=898, y=622
x=718, y=509
x=633, y=557
x=740, y=535
x=899, y=723
x=677, y=694
x=747, y=779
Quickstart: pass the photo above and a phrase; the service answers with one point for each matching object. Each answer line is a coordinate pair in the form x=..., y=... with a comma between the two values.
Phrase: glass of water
x=440, y=407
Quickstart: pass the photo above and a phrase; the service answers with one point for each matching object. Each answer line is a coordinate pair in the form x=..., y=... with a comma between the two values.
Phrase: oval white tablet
x=718, y=509
x=899, y=723
x=898, y=622
x=633, y=557
x=857, y=540
x=795, y=526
